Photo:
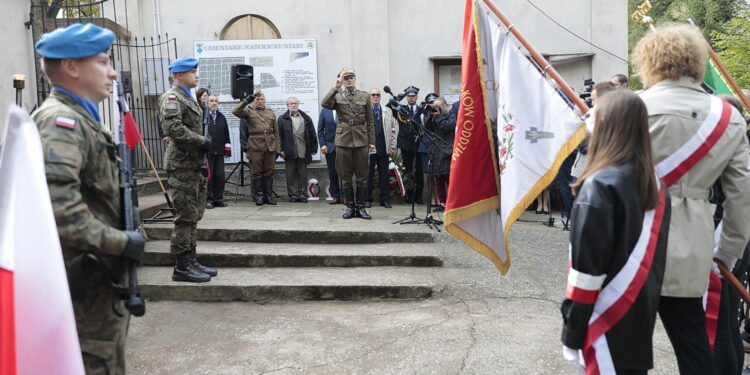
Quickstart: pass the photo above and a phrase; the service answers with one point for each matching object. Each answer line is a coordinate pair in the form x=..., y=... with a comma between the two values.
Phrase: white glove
x=728, y=261
x=574, y=358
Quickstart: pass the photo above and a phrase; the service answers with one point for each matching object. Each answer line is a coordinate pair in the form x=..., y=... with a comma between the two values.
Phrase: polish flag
x=37, y=325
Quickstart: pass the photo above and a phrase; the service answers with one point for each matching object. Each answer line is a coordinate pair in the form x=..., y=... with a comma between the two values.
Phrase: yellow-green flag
x=716, y=80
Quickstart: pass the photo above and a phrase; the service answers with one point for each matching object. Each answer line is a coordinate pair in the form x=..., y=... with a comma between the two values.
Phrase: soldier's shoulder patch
x=65, y=122
x=172, y=97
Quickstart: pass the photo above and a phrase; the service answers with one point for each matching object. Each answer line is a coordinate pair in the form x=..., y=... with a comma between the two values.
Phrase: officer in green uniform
x=185, y=161
x=82, y=173
x=355, y=137
x=263, y=144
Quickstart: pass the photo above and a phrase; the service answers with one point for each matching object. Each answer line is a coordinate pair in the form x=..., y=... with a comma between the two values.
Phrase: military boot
x=184, y=270
x=361, y=198
x=268, y=191
x=349, y=195
x=258, y=188
x=194, y=261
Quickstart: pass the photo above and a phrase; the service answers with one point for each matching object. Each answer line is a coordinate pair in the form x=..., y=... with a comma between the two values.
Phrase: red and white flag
x=37, y=325
x=132, y=133
x=536, y=129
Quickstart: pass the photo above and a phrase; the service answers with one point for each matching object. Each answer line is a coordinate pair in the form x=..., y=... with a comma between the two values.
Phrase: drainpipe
x=157, y=16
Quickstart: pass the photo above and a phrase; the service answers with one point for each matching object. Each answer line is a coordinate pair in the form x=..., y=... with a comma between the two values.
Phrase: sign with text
x=282, y=68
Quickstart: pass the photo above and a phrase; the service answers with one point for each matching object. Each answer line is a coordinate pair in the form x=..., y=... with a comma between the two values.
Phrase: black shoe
x=184, y=270
x=220, y=204
x=258, y=188
x=418, y=201
x=386, y=204
x=538, y=212
x=209, y=205
x=439, y=208
x=302, y=200
x=268, y=191
x=368, y=204
x=293, y=200
x=349, y=195
x=361, y=204
x=207, y=270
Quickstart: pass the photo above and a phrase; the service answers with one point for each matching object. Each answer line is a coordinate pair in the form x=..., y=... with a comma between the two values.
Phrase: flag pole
x=156, y=174
x=543, y=63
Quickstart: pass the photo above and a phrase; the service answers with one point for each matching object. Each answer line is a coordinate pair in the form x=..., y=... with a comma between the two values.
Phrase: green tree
x=709, y=15
x=733, y=45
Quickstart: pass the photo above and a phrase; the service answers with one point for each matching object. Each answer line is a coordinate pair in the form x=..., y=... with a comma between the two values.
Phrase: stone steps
x=292, y=284
x=302, y=235
x=243, y=254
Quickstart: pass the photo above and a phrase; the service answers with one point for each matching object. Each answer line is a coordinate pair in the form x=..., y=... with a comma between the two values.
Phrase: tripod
x=431, y=222
x=240, y=177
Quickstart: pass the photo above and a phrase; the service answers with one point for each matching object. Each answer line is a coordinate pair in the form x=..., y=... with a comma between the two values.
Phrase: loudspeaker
x=242, y=81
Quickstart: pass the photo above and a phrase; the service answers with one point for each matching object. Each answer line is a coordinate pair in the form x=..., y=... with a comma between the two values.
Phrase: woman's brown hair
x=620, y=136
x=199, y=93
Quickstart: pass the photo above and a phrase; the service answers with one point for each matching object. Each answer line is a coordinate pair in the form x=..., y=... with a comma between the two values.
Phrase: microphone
x=387, y=89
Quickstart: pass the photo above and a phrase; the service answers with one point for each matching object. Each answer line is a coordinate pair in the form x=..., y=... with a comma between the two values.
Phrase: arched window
x=250, y=26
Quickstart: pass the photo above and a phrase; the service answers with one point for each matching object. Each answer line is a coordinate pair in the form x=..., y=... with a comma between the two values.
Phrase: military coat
x=182, y=120
x=263, y=132
x=356, y=126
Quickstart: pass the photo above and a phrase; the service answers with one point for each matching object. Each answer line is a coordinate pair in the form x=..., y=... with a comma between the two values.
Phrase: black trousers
x=333, y=177
x=413, y=162
x=216, y=183
x=381, y=163
x=685, y=322
x=729, y=355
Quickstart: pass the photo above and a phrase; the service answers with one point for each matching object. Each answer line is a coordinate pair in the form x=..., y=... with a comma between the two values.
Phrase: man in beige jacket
x=671, y=62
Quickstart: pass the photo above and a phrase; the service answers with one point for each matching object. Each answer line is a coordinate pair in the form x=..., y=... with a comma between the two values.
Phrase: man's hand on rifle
x=136, y=247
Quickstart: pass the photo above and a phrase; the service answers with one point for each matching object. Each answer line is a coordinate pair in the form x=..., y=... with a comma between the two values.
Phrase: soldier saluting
x=182, y=121
x=355, y=137
x=82, y=174
x=262, y=144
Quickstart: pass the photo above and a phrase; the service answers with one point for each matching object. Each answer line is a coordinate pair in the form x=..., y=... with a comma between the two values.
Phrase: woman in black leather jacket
x=618, y=242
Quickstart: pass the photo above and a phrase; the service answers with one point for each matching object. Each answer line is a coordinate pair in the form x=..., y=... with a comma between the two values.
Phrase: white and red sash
x=612, y=302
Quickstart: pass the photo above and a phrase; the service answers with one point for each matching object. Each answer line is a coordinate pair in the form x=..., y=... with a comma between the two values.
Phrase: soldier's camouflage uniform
x=182, y=120
x=82, y=175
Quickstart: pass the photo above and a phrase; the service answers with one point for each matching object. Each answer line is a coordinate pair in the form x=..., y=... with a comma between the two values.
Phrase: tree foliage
x=711, y=16
x=733, y=45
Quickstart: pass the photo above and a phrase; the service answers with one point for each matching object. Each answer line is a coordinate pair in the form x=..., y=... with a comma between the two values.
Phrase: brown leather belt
x=257, y=133
x=350, y=123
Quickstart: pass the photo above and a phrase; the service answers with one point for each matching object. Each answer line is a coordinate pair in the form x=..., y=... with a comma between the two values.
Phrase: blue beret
x=75, y=41
x=183, y=65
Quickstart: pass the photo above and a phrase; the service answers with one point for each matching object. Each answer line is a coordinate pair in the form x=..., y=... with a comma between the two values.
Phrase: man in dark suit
x=220, y=148
x=407, y=142
x=327, y=122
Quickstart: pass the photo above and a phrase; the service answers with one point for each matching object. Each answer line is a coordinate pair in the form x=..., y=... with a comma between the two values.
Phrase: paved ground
x=479, y=322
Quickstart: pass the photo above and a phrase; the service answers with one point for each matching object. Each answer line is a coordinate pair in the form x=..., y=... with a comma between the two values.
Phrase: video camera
x=588, y=85
x=393, y=102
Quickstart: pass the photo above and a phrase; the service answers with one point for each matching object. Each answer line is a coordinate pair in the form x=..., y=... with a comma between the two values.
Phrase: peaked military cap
x=346, y=72
x=411, y=90
x=75, y=41
x=183, y=65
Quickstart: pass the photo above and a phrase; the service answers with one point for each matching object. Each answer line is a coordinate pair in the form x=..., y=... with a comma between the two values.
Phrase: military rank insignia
x=65, y=122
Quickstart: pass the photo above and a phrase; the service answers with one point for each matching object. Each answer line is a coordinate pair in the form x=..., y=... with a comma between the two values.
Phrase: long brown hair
x=620, y=136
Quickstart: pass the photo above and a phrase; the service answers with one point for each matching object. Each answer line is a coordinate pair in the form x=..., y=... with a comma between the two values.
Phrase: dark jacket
x=286, y=135
x=406, y=133
x=327, y=129
x=219, y=132
x=444, y=127
x=606, y=223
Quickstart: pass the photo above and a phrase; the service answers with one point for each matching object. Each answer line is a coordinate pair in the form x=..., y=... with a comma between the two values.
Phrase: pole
x=543, y=63
x=19, y=84
x=736, y=284
x=156, y=174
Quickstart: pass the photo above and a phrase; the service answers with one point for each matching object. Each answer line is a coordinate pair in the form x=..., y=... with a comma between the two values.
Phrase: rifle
x=134, y=303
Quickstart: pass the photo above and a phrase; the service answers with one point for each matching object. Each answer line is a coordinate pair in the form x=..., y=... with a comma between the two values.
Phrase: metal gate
x=142, y=63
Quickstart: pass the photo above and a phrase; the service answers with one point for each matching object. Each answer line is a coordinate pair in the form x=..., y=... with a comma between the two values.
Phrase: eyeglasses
x=374, y=94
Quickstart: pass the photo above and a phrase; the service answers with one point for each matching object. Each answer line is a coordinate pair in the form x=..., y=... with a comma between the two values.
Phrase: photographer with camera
x=442, y=122
x=408, y=143
x=262, y=144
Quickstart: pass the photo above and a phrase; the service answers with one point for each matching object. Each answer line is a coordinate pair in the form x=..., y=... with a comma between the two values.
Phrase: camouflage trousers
x=189, y=198
x=101, y=331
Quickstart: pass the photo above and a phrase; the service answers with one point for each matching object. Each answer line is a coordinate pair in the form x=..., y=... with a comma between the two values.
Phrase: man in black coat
x=221, y=148
x=327, y=123
x=408, y=143
x=299, y=143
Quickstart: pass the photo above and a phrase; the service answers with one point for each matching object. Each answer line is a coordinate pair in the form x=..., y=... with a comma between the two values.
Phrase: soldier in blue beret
x=82, y=174
x=181, y=118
